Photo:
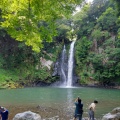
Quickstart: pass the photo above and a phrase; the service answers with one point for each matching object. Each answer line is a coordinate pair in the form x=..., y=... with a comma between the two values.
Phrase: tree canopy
x=33, y=21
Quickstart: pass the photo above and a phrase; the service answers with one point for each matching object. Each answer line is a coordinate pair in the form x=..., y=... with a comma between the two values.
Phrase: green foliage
x=119, y=32
x=117, y=69
x=96, y=34
x=33, y=21
x=106, y=65
x=118, y=40
x=19, y=64
x=99, y=35
x=42, y=74
x=78, y=17
x=1, y=61
x=108, y=20
x=109, y=42
x=63, y=26
x=82, y=48
x=101, y=59
x=8, y=75
x=82, y=24
x=117, y=2
x=83, y=79
x=81, y=53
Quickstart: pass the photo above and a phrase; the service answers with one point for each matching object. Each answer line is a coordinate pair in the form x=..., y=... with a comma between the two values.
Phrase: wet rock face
x=46, y=63
x=28, y=115
x=114, y=115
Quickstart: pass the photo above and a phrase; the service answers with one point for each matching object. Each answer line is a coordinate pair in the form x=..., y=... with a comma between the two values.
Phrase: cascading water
x=63, y=67
x=70, y=65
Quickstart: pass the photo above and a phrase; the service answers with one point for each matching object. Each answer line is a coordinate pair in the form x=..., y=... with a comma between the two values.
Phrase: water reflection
x=70, y=103
x=69, y=96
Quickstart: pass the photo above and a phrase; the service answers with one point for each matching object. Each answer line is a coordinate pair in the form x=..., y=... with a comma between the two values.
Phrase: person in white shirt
x=92, y=109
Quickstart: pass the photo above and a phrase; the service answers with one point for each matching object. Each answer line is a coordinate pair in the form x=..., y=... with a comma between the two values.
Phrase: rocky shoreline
x=48, y=113
x=28, y=115
x=100, y=86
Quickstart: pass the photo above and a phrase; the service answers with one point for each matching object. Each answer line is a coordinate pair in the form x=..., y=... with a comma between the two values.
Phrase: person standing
x=4, y=113
x=92, y=109
x=78, y=109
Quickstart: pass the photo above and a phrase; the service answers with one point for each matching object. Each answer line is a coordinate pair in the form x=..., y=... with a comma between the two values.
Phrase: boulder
x=28, y=115
x=113, y=115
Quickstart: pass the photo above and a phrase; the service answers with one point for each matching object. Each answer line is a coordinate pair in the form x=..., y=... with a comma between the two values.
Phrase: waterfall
x=63, y=67
x=70, y=65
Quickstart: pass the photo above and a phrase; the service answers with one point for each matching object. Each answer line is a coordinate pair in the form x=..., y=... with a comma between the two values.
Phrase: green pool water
x=62, y=98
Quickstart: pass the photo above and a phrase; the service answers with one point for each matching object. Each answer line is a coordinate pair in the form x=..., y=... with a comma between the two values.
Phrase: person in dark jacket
x=4, y=113
x=78, y=109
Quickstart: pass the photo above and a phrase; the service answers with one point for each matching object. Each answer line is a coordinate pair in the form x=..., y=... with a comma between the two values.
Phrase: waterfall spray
x=63, y=66
x=70, y=65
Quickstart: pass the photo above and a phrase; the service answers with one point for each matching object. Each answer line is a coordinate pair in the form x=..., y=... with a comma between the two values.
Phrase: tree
x=108, y=20
x=81, y=21
x=33, y=21
x=63, y=26
x=82, y=51
x=117, y=2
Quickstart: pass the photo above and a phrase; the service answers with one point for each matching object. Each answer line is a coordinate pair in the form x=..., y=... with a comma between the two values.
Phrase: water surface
x=59, y=100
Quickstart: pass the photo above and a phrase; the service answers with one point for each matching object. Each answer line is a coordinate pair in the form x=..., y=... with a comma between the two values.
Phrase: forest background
x=30, y=33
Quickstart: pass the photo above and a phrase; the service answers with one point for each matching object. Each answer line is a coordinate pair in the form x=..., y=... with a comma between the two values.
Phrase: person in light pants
x=92, y=109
